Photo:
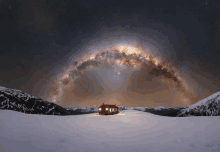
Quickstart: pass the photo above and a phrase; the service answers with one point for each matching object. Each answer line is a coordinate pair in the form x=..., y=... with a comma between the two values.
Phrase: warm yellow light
x=129, y=50
x=119, y=62
x=92, y=56
x=156, y=61
x=147, y=57
x=65, y=76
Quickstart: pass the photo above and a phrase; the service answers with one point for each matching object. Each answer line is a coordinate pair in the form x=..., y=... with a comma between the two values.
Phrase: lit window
x=100, y=109
x=110, y=109
x=106, y=109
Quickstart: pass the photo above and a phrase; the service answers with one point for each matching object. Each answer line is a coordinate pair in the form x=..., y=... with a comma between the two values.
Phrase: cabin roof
x=108, y=105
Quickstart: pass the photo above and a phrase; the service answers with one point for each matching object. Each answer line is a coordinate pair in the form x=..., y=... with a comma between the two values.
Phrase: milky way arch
x=150, y=73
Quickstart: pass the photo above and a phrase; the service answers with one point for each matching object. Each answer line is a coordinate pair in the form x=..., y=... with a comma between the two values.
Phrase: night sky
x=39, y=39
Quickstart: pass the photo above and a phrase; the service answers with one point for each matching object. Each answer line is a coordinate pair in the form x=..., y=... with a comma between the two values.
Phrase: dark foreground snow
x=129, y=131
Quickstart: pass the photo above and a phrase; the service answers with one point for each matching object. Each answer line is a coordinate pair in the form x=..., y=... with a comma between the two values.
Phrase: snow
x=2, y=88
x=128, y=131
x=137, y=108
x=83, y=109
x=160, y=108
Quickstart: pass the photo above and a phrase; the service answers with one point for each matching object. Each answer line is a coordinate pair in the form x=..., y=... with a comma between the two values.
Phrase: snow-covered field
x=129, y=131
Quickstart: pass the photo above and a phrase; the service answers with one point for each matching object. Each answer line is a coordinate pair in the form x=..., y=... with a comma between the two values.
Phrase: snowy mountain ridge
x=83, y=109
x=93, y=109
x=209, y=106
x=206, y=101
x=17, y=100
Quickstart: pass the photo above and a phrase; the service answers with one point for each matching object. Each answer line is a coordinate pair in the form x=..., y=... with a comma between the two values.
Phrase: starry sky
x=40, y=38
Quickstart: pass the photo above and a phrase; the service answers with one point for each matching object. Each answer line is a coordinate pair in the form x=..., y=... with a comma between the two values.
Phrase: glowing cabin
x=107, y=109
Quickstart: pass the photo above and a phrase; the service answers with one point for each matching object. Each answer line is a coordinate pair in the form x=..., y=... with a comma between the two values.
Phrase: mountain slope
x=19, y=101
x=209, y=106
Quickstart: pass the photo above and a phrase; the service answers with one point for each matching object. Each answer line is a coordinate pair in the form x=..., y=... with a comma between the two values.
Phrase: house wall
x=103, y=110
